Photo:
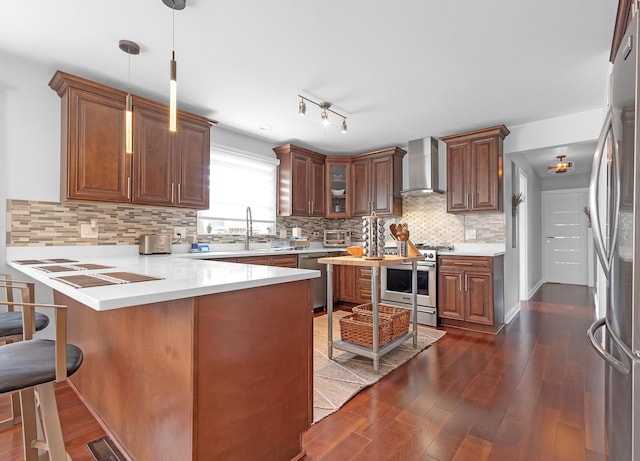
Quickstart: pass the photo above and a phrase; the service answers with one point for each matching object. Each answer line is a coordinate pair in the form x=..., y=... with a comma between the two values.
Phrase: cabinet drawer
x=285, y=261
x=481, y=263
x=260, y=260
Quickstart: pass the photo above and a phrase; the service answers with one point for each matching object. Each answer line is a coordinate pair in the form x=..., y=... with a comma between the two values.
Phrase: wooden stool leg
x=51, y=422
x=29, y=415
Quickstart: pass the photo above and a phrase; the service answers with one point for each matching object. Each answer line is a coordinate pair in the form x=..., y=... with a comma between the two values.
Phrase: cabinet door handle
x=466, y=202
x=466, y=282
x=179, y=193
x=458, y=263
x=311, y=207
x=128, y=187
x=172, y=188
x=460, y=281
x=472, y=200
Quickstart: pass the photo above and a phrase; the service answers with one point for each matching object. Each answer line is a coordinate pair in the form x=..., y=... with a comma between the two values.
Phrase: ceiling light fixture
x=173, y=82
x=324, y=116
x=130, y=48
x=302, y=107
x=560, y=166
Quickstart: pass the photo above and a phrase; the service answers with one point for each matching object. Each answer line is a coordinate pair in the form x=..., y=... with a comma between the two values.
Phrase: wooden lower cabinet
x=470, y=292
x=354, y=284
x=266, y=260
x=213, y=377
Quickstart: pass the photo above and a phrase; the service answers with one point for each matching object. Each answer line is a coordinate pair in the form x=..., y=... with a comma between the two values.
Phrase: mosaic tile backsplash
x=37, y=223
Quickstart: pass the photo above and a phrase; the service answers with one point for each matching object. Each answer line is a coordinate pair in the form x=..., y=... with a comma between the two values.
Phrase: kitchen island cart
x=376, y=350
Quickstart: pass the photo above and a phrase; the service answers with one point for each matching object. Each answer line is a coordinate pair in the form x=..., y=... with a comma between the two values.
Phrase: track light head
x=302, y=108
x=344, y=125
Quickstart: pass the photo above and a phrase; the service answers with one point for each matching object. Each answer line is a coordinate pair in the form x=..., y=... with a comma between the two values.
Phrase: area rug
x=338, y=380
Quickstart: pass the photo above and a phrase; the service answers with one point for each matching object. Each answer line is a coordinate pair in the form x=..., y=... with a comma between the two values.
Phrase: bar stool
x=31, y=367
x=11, y=331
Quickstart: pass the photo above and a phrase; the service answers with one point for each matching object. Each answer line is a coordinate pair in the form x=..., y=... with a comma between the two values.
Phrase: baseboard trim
x=535, y=288
x=511, y=313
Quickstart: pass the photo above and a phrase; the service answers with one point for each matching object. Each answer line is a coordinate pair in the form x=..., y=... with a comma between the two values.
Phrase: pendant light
x=173, y=82
x=130, y=48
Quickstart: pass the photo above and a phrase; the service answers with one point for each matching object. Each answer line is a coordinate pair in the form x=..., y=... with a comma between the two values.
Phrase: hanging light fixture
x=130, y=48
x=173, y=82
x=324, y=116
x=560, y=166
x=302, y=107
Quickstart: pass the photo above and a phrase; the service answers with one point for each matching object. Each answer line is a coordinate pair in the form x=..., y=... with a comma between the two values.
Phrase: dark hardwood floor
x=534, y=392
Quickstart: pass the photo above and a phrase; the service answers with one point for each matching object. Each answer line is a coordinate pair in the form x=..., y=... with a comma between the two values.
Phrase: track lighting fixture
x=324, y=116
x=302, y=107
x=173, y=82
x=129, y=48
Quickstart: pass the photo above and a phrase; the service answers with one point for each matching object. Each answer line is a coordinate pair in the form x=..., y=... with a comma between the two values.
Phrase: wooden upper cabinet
x=474, y=170
x=623, y=19
x=167, y=169
x=153, y=166
x=170, y=169
x=338, y=189
x=301, y=182
x=94, y=165
x=377, y=181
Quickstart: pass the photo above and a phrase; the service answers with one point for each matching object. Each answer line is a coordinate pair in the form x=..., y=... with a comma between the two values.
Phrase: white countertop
x=475, y=249
x=184, y=275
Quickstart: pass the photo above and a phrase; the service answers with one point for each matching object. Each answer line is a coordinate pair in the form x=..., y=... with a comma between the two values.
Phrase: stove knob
x=429, y=255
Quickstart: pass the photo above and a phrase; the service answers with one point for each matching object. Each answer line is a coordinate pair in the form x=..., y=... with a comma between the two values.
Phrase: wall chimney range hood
x=420, y=167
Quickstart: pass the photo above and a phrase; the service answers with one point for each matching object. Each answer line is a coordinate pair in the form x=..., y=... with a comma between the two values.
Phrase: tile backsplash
x=35, y=223
x=38, y=223
x=429, y=222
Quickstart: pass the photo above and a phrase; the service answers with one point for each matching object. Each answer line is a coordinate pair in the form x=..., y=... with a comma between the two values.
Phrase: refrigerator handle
x=610, y=359
x=593, y=195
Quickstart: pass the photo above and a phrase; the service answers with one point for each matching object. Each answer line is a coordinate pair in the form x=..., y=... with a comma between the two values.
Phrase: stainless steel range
x=395, y=284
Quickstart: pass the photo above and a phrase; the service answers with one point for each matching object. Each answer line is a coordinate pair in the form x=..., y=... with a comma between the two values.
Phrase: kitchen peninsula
x=212, y=361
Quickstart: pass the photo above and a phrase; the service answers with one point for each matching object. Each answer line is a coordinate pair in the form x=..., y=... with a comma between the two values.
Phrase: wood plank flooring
x=534, y=392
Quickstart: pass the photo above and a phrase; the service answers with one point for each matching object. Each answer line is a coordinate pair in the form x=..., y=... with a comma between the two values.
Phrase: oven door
x=395, y=284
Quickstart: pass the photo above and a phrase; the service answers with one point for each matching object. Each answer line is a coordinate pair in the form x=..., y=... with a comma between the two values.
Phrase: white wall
x=534, y=229
x=572, y=181
x=568, y=129
x=29, y=136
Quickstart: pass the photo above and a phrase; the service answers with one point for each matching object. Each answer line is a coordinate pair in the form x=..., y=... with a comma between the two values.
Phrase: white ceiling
x=399, y=70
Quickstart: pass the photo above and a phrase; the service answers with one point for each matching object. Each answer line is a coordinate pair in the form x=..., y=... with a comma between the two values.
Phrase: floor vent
x=103, y=449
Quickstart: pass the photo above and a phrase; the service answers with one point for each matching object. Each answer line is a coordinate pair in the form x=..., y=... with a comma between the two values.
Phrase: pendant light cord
x=173, y=28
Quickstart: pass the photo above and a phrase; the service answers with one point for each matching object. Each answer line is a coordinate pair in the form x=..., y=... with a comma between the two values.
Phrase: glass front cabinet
x=338, y=187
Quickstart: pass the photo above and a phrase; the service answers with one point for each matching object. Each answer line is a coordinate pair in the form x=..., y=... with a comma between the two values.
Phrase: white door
x=564, y=233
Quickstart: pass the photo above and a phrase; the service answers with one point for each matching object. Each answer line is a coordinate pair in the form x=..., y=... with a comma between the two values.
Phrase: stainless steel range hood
x=420, y=167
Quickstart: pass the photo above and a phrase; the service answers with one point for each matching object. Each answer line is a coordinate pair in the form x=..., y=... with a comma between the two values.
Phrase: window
x=237, y=181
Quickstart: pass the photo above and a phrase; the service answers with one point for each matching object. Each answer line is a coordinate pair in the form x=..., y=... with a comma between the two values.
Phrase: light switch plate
x=88, y=232
x=470, y=234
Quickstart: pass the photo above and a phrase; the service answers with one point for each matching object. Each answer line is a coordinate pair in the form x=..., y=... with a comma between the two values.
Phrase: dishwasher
x=310, y=261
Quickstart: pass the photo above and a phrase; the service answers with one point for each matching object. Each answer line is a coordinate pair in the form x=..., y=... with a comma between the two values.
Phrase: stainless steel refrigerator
x=614, y=194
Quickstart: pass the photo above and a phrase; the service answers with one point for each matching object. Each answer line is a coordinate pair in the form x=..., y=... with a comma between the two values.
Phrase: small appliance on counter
x=337, y=238
x=151, y=244
x=299, y=242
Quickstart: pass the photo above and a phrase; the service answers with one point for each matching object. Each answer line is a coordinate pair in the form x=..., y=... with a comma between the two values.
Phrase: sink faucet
x=249, y=231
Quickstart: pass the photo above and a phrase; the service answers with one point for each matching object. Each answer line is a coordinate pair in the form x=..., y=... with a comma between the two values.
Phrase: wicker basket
x=398, y=315
x=357, y=328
